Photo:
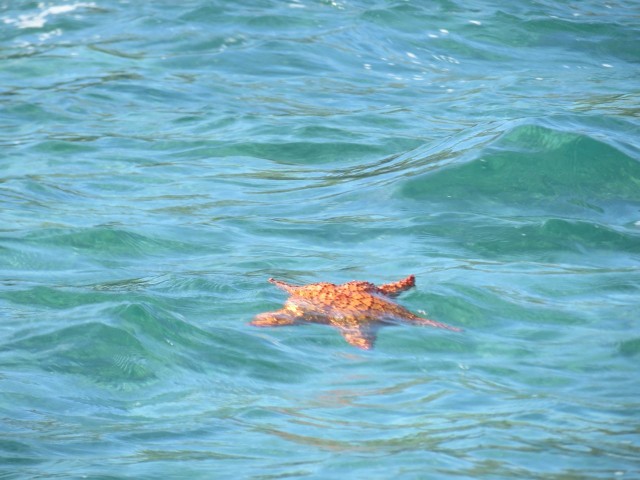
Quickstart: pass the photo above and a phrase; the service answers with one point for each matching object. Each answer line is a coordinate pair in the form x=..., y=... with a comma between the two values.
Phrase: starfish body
x=357, y=309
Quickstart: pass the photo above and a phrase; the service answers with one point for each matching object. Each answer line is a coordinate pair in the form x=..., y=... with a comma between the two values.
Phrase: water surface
x=160, y=160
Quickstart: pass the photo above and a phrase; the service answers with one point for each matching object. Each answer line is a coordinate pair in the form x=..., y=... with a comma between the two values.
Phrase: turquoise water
x=159, y=161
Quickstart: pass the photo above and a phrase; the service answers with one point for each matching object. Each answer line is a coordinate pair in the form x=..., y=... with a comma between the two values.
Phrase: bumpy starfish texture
x=357, y=309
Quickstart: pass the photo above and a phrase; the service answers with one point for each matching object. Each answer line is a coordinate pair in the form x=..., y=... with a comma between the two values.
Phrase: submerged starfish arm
x=361, y=336
x=291, y=314
x=284, y=285
x=279, y=318
x=410, y=317
x=294, y=312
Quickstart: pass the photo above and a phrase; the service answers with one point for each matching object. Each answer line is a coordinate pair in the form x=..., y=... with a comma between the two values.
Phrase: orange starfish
x=357, y=309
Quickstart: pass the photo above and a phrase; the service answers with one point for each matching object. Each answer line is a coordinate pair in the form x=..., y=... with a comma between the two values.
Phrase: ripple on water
x=90, y=350
x=536, y=170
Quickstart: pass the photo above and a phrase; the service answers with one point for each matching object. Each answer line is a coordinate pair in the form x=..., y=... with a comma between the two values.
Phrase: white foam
x=38, y=20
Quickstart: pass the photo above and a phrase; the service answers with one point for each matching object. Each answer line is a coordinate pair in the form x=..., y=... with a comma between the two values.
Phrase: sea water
x=159, y=161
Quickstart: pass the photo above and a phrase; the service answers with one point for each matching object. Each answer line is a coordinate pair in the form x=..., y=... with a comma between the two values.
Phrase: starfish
x=357, y=309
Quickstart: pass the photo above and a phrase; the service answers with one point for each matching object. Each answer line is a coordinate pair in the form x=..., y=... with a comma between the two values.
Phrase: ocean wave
x=532, y=170
x=101, y=353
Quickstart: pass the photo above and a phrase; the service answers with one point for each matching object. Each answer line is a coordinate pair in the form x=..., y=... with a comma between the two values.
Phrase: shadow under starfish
x=357, y=309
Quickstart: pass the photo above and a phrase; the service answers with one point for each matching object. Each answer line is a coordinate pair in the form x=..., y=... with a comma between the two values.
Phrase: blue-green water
x=160, y=160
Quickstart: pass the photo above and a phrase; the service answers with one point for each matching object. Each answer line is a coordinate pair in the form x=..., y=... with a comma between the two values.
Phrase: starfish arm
x=284, y=285
x=431, y=323
x=394, y=289
x=279, y=318
x=360, y=336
